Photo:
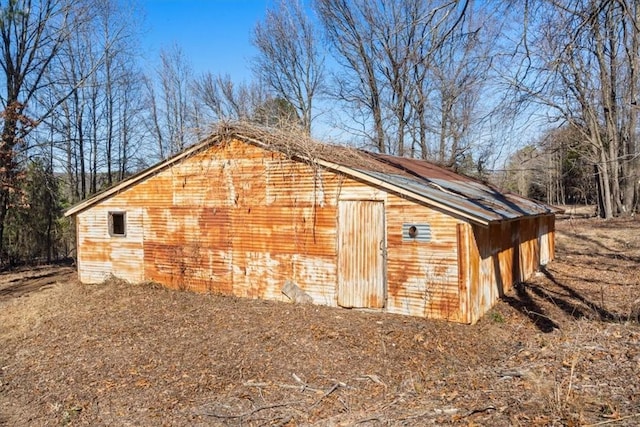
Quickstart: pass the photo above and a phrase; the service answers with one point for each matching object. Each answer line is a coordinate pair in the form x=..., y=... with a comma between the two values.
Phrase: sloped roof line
x=457, y=203
x=124, y=184
x=384, y=171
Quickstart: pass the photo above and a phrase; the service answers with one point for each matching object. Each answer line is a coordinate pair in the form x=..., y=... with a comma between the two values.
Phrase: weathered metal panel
x=474, y=274
x=189, y=248
x=201, y=182
x=546, y=233
x=308, y=188
x=464, y=271
x=551, y=235
x=529, y=246
x=100, y=254
x=506, y=253
x=349, y=189
x=361, y=242
x=236, y=218
x=486, y=293
x=416, y=232
x=491, y=266
x=422, y=276
x=460, y=193
x=284, y=230
x=317, y=276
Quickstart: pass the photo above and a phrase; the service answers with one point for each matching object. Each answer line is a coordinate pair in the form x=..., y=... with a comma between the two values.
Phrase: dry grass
x=564, y=349
x=295, y=144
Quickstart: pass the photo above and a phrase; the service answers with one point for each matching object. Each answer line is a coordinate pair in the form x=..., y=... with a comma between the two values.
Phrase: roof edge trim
x=123, y=185
x=380, y=183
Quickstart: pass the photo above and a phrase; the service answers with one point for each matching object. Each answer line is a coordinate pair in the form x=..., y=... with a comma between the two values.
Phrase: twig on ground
x=333, y=388
x=516, y=372
x=601, y=423
x=535, y=313
x=373, y=377
x=365, y=420
x=253, y=411
x=252, y=384
x=303, y=385
x=431, y=413
x=283, y=421
x=479, y=410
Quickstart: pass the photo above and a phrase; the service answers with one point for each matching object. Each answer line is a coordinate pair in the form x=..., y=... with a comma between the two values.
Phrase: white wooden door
x=361, y=249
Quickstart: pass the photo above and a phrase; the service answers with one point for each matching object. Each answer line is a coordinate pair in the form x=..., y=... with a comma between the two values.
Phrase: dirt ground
x=563, y=349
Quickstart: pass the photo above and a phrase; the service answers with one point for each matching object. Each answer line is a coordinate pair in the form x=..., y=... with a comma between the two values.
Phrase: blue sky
x=213, y=34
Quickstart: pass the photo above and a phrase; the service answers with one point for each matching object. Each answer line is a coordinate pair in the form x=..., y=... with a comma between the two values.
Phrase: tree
x=224, y=100
x=289, y=60
x=172, y=120
x=357, y=84
x=579, y=60
x=394, y=57
x=458, y=73
x=277, y=112
x=553, y=169
x=32, y=226
x=32, y=34
x=94, y=129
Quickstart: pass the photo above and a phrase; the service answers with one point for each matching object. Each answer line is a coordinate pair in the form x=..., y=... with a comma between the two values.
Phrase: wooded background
x=538, y=97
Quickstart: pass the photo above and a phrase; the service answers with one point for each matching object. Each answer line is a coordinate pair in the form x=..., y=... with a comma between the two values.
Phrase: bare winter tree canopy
x=457, y=82
x=224, y=100
x=579, y=62
x=289, y=60
x=33, y=34
x=410, y=72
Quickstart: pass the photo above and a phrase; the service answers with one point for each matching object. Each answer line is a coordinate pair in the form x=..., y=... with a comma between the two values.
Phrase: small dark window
x=117, y=224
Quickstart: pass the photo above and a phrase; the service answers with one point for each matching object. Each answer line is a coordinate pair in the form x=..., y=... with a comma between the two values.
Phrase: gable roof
x=419, y=180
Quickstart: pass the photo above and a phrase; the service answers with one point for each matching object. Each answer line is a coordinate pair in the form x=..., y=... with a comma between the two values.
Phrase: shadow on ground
x=533, y=300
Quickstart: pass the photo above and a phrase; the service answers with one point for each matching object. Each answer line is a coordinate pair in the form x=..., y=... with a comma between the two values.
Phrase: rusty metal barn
x=247, y=211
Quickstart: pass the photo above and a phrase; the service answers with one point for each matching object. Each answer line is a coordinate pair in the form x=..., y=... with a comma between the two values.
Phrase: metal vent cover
x=416, y=233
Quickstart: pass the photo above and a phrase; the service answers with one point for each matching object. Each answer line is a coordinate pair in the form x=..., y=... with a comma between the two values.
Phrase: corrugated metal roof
x=423, y=181
x=471, y=197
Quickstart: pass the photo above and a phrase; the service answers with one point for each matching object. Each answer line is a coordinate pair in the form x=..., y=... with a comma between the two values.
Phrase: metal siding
x=281, y=228
x=422, y=277
x=529, y=247
x=316, y=275
x=464, y=271
x=101, y=255
x=475, y=282
x=201, y=182
x=506, y=253
x=235, y=218
x=486, y=295
x=505, y=257
x=349, y=189
x=308, y=183
x=361, y=281
x=551, y=235
x=546, y=232
x=188, y=248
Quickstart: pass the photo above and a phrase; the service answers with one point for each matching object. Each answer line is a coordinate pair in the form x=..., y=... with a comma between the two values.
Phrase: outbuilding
x=248, y=212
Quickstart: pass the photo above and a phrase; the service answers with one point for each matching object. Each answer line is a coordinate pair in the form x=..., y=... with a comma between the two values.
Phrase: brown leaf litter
x=562, y=349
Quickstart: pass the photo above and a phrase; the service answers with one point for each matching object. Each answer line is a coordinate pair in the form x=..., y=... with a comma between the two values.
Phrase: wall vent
x=416, y=233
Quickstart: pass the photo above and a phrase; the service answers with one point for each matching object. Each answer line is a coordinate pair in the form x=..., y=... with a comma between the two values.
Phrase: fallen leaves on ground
x=561, y=349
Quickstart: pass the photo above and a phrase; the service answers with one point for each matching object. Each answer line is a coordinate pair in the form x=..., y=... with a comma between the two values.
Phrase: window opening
x=117, y=224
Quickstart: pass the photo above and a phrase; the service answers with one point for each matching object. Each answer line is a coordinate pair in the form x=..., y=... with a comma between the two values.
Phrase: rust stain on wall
x=238, y=219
